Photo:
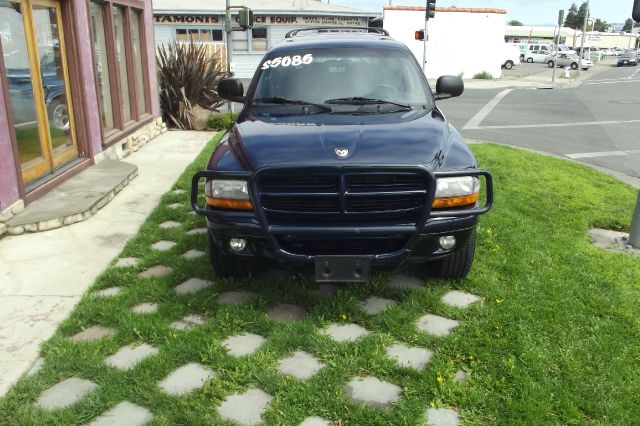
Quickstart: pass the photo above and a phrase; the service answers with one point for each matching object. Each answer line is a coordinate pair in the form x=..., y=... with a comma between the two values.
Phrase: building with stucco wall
x=77, y=85
x=463, y=41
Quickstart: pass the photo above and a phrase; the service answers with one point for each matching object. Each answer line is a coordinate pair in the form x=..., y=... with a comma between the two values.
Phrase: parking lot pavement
x=44, y=275
x=596, y=123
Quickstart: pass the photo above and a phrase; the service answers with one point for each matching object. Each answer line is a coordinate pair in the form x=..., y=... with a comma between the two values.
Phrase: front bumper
x=397, y=243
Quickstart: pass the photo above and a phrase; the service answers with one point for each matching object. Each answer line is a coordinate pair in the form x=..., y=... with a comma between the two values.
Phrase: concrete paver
x=170, y=224
x=373, y=391
x=73, y=256
x=108, y=292
x=193, y=254
x=145, y=308
x=164, y=245
x=65, y=393
x=442, y=417
x=126, y=262
x=236, y=297
x=245, y=408
x=286, y=313
x=192, y=285
x=375, y=305
x=459, y=299
x=461, y=377
x=345, y=332
x=315, y=421
x=300, y=365
x=185, y=379
x=435, y=325
x=197, y=231
x=128, y=357
x=95, y=332
x=409, y=357
x=188, y=322
x=124, y=413
x=405, y=282
x=157, y=271
x=175, y=206
x=243, y=344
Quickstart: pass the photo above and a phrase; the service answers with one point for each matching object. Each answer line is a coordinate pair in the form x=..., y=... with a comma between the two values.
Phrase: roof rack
x=319, y=30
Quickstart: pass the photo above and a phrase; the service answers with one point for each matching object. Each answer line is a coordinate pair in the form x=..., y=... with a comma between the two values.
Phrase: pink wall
x=87, y=76
x=8, y=176
x=151, y=55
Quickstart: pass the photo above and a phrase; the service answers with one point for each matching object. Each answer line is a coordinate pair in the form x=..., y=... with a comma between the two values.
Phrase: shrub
x=484, y=75
x=188, y=76
x=218, y=121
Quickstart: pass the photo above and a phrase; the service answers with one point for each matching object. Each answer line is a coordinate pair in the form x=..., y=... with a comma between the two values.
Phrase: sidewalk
x=43, y=275
x=537, y=80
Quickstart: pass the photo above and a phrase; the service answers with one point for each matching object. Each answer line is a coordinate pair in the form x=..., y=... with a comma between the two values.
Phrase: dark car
x=629, y=57
x=341, y=162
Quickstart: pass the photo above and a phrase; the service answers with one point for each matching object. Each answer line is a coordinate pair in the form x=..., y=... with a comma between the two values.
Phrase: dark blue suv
x=341, y=162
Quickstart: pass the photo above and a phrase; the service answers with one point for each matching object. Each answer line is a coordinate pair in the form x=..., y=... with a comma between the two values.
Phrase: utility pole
x=430, y=12
x=557, y=40
x=584, y=29
x=634, y=235
x=228, y=31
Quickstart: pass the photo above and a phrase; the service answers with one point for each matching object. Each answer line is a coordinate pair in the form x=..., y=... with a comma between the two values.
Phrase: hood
x=413, y=137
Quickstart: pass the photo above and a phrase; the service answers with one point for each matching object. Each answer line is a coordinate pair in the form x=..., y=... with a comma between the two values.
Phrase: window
x=119, y=50
x=259, y=41
x=204, y=35
x=240, y=41
x=102, y=65
x=136, y=44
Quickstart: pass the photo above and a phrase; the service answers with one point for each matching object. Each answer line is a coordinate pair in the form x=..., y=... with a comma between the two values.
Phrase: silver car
x=567, y=60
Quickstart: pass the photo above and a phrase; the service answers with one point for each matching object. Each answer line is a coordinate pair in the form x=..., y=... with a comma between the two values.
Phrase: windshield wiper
x=357, y=100
x=286, y=101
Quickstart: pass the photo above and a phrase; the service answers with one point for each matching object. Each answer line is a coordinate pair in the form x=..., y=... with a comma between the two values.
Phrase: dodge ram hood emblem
x=342, y=152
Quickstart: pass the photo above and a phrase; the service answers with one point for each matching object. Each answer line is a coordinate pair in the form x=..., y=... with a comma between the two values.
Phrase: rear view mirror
x=449, y=86
x=231, y=89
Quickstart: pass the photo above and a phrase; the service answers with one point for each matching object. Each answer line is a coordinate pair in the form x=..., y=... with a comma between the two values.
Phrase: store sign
x=264, y=20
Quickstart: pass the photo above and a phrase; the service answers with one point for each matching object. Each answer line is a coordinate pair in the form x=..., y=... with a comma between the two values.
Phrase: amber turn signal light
x=460, y=201
x=223, y=203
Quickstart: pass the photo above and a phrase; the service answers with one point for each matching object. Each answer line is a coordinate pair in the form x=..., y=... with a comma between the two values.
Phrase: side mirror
x=448, y=86
x=231, y=89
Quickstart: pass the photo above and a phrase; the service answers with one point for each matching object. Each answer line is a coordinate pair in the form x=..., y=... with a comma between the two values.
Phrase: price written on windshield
x=288, y=61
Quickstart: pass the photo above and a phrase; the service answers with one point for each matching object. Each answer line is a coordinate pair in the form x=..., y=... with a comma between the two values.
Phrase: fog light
x=448, y=242
x=237, y=244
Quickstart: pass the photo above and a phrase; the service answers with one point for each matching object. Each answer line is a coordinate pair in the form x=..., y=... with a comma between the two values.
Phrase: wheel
x=59, y=115
x=574, y=66
x=224, y=266
x=508, y=65
x=530, y=60
x=458, y=264
x=550, y=64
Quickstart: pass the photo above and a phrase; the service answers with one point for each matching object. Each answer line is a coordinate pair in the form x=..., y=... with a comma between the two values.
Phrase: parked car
x=341, y=163
x=525, y=48
x=563, y=60
x=511, y=57
x=537, y=56
x=629, y=57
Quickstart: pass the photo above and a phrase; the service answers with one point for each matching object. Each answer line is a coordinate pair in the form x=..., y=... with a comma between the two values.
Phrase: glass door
x=38, y=85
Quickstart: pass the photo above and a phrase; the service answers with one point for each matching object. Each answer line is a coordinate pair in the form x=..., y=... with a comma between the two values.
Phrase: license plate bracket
x=342, y=268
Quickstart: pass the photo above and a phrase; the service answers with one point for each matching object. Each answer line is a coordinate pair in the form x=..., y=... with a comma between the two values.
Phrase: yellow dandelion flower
x=344, y=317
x=499, y=301
x=452, y=362
x=440, y=379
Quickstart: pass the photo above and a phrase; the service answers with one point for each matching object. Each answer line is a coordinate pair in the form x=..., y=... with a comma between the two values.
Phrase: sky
x=529, y=12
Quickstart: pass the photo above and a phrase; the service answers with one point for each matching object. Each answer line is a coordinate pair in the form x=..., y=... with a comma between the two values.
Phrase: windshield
x=345, y=76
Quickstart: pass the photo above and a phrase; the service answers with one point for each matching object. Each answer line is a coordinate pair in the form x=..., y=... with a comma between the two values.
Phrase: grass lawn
x=555, y=340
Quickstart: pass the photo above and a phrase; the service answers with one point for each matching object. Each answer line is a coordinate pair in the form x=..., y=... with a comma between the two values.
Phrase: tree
x=582, y=15
x=601, y=26
x=570, y=20
x=628, y=24
x=515, y=23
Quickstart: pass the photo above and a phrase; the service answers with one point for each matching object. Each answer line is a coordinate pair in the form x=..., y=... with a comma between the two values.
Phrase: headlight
x=228, y=194
x=463, y=191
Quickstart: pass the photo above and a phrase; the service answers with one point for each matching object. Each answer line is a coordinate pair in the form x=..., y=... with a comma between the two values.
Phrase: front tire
x=508, y=65
x=550, y=64
x=456, y=265
x=530, y=60
x=574, y=66
x=224, y=266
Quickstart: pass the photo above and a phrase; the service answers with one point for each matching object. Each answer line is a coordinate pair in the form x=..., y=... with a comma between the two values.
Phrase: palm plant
x=188, y=75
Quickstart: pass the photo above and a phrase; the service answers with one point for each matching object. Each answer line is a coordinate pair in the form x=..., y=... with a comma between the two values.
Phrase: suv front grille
x=342, y=246
x=342, y=197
